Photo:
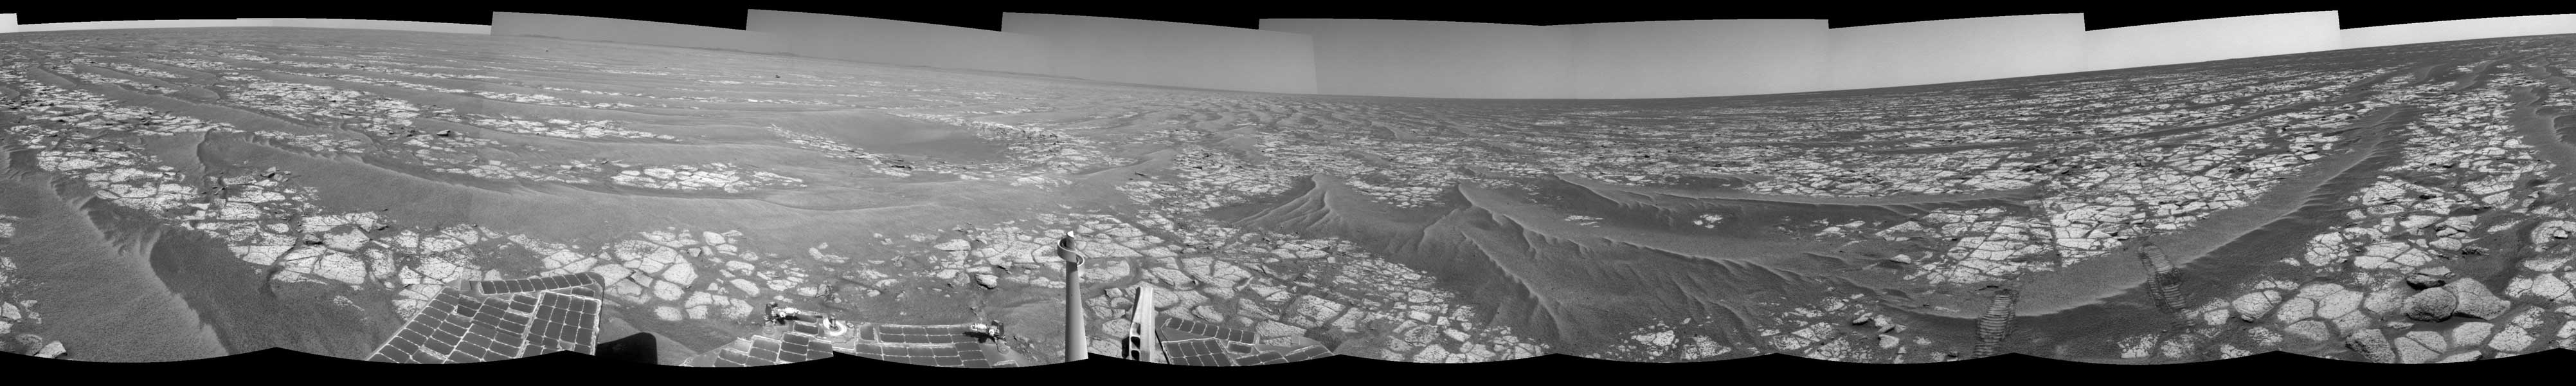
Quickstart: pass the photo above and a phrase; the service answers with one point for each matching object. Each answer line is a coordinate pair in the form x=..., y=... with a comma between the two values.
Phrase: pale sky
x=1956, y=50
x=1656, y=59
x=632, y=31
x=902, y=42
x=125, y=24
x=1436, y=58
x=2443, y=31
x=1171, y=54
x=1695, y=58
x=2212, y=39
x=379, y=25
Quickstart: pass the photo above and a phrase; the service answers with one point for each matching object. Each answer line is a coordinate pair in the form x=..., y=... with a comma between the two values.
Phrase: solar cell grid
x=455, y=324
x=1208, y=330
x=913, y=359
x=818, y=349
x=520, y=318
x=511, y=332
x=756, y=358
x=904, y=359
x=764, y=347
x=475, y=338
x=1264, y=358
x=463, y=356
x=447, y=298
x=550, y=310
x=441, y=343
x=547, y=304
x=1309, y=352
x=575, y=284
x=398, y=344
x=538, y=346
x=511, y=344
x=565, y=331
x=738, y=358
x=484, y=324
x=1222, y=358
x=537, y=335
x=523, y=303
x=555, y=332
x=434, y=314
x=921, y=334
x=1193, y=352
x=412, y=332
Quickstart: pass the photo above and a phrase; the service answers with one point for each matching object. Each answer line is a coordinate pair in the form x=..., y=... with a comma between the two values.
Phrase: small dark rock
x=2474, y=299
x=2422, y=281
x=2429, y=277
x=2432, y=305
x=2372, y=345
